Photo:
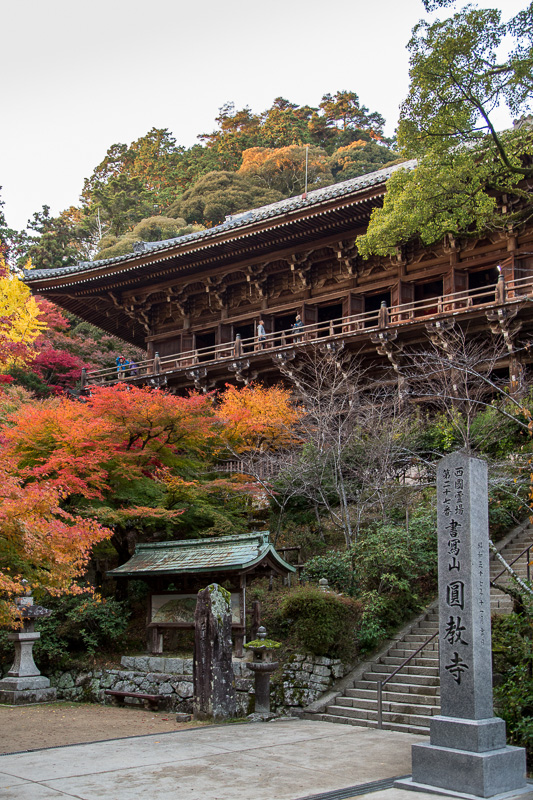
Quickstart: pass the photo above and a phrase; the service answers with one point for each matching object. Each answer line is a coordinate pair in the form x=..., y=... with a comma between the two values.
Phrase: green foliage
x=457, y=80
x=79, y=625
x=335, y=566
x=396, y=570
x=512, y=645
x=56, y=243
x=152, y=229
x=350, y=162
x=218, y=194
x=322, y=623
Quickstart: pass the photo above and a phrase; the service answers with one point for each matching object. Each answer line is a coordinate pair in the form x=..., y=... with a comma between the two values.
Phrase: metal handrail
x=381, y=684
x=396, y=316
x=526, y=550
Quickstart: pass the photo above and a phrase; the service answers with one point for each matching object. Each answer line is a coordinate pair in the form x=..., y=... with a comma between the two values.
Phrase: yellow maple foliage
x=20, y=322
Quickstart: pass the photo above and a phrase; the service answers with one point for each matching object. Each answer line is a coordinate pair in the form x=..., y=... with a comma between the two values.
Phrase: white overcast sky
x=78, y=77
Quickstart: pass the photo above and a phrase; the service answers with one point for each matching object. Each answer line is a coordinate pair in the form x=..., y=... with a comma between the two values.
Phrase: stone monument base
x=407, y=783
x=23, y=691
x=468, y=757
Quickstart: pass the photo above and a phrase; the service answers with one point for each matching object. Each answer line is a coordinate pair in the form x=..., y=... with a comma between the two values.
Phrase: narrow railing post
x=237, y=348
x=380, y=704
x=499, y=294
x=383, y=316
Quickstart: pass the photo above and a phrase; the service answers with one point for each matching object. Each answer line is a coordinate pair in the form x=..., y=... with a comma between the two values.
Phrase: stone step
x=416, y=729
x=366, y=723
x=424, y=709
x=409, y=669
x=396, y=718
x=404, y=688
x=425, y=654
x=390, y=696
x=417, y=661
x=410, y=680
x=415, y=637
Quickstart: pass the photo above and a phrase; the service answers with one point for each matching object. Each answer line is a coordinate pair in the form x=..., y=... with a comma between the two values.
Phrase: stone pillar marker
x=213, y=678
x=467, y=754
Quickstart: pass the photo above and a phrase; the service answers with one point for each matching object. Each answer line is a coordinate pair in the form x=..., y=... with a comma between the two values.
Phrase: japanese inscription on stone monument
x=467, y=751
x=464, y=587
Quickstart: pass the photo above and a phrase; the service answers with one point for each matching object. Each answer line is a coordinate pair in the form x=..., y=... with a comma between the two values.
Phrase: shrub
x=79, y=625
x=335, y=566
x=322, y=623
x=512, y=645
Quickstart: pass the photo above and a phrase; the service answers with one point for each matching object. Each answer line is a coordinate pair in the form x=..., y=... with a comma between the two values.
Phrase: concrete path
x=283, y=760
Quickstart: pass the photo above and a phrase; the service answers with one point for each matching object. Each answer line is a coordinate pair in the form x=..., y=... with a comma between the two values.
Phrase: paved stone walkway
x=283, y=760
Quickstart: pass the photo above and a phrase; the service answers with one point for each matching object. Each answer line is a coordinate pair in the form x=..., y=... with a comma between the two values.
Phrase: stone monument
x=24, y=683
x=467, y=752
x=213, y=678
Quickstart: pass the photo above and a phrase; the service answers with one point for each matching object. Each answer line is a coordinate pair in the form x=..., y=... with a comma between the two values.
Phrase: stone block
x=323, y=661
x=475, y=736
x=81, y=678
x=165, y=688
x=480, y=774
x=141, y=663
x=65, y=681
x=184, y=688
x=323, y=671
x=107, y=680
x=16, y=697
x=128, y=662
x=174, y=666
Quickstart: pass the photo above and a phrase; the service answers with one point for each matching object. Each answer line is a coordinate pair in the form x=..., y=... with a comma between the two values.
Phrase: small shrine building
x=176, y=571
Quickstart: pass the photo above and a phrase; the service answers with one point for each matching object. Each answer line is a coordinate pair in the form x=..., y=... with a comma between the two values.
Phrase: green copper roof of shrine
x=220, y=554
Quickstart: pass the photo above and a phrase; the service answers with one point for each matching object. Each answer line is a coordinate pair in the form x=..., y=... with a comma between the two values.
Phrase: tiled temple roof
x=235, y=222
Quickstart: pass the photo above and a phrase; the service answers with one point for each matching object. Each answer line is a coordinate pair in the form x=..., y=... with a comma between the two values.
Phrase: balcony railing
x=352, y=326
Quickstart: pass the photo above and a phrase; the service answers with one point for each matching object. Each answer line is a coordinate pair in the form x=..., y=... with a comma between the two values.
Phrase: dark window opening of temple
x=284, y=323
x=204, y=340
x=246, y=332
x=373, y=303
x=483, y=279
x=325, y=317
x=425, y=294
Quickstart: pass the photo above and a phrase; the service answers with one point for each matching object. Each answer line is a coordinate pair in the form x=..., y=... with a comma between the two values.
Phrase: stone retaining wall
x=301, y=680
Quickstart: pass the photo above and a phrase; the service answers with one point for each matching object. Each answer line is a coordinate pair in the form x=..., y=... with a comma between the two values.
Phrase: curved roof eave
x=242, y=221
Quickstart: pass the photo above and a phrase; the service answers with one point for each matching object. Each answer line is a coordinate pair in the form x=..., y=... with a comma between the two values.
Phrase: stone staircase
x=412, y=696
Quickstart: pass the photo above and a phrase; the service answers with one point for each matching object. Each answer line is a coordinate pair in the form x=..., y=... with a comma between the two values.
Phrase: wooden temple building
x=194, y=302
x=176, y=571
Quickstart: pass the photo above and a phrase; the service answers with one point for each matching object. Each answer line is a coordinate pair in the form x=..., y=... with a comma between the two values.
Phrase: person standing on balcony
x=298, y=324
x=121, y=366
x=261, y=334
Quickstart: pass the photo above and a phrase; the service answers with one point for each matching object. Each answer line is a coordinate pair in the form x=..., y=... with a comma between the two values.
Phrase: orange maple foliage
x=258, y=417
x=121, y=432
x=283, y=168
x=39, y=541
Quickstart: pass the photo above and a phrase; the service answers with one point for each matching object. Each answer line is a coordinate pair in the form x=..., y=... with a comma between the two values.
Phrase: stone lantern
x=24, y=683
x=262, y=666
